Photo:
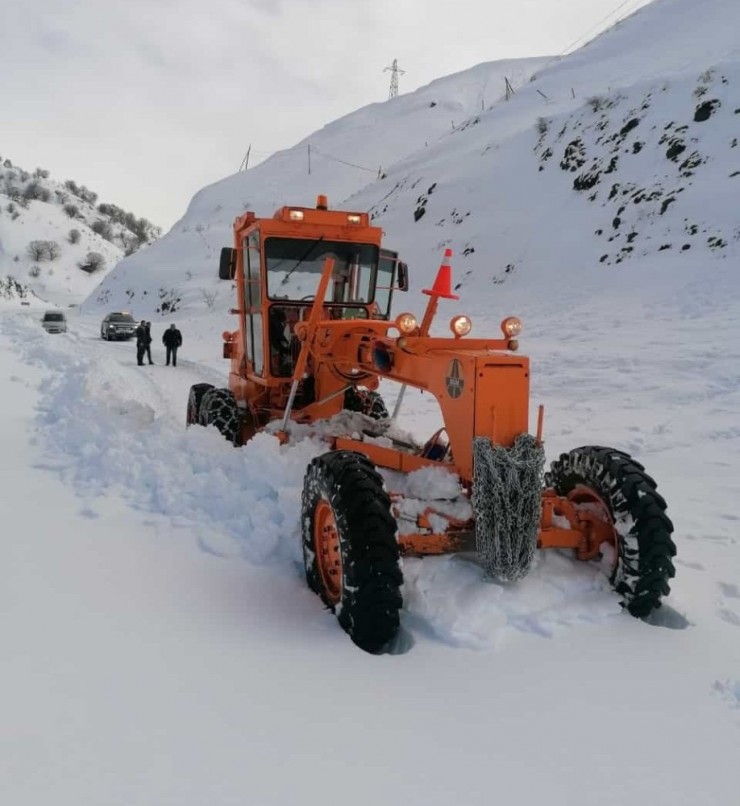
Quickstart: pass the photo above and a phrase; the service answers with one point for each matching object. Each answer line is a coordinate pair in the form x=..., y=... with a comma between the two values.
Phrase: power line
x=311, y=151
x=600, y=23
x=315, y=150
x=590, y=31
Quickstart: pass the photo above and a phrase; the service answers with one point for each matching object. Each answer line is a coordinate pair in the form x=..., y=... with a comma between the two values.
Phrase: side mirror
x=227, y=264
x=403, y=276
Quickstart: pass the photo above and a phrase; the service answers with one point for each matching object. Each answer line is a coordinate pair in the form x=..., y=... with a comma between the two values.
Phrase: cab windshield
x=294, y=269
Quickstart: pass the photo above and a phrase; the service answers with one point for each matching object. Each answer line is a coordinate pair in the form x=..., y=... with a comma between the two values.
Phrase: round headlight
x=406, y=323
x=511, y=326
x=461, y=325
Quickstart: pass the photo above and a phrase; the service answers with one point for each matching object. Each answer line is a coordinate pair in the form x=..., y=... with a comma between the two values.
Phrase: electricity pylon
x=395, y=70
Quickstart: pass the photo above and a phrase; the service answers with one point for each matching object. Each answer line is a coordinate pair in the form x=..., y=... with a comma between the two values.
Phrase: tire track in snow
x=93, y=418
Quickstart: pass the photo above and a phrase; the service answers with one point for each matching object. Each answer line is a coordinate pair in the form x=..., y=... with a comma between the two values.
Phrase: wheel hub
x=328, y=551
x=596, y=517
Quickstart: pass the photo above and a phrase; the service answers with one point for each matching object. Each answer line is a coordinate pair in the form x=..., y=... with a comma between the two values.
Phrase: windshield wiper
x=310, y=249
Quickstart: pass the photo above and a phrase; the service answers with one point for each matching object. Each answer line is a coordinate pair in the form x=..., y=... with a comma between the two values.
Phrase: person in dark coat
x=148, y=341
x=140, y=343
x=172, y=339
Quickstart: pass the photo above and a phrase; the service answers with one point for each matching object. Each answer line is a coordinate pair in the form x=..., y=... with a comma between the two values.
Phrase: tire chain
x=507, y=490
x=365, y=402
x=218, y=407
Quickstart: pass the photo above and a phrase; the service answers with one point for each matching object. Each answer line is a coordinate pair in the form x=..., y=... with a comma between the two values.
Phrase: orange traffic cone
x=443, y=282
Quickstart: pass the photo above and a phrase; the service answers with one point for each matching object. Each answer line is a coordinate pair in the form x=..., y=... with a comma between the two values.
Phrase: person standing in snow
x=140, y=343
x=172, y=339
x=148, y=341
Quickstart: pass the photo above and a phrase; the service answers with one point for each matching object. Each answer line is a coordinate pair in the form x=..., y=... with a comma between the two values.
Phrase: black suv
x=118, y=326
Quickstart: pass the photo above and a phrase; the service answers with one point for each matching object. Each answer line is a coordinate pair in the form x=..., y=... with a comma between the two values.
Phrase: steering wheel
x=307, y=297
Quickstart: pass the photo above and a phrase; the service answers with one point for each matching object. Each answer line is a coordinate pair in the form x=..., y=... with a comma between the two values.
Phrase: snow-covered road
x=162, y=648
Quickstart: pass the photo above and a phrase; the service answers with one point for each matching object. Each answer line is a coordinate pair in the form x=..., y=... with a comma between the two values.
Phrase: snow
x=160, y=644
x=62, y=216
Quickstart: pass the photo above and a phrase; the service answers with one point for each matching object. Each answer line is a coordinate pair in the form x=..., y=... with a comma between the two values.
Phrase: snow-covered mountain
x=180, y=270
x=56, y=241
x=626, y=149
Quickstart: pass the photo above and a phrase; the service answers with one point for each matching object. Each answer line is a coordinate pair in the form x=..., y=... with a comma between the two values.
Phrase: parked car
x=118, y=325
x=54, y=322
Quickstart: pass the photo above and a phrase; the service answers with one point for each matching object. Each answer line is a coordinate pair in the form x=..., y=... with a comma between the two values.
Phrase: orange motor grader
x=314, y=337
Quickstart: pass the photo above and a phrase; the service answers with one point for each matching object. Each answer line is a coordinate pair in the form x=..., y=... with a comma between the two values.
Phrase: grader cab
x=314, y=339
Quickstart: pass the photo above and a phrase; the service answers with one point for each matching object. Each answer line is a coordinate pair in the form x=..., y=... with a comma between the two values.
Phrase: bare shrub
x=43, y=250
x=74, y=236
x=103, y=228
x=87, y=195
x=35, y=190
x=209, y=297
x=36, y=250
x=131, y=244
x=93, y=262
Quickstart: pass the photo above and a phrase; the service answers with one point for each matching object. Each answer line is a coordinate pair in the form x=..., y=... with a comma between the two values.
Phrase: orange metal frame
x=482, y=385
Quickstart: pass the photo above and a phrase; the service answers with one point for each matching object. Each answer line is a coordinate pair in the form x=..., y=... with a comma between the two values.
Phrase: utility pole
x=395, y=70
x=509, y=88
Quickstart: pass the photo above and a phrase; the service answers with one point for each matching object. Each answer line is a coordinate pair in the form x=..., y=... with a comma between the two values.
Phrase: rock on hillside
x=647, y=171
x=663, y=165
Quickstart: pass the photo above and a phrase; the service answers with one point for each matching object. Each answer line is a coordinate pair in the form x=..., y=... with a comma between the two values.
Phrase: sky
x=145, y=105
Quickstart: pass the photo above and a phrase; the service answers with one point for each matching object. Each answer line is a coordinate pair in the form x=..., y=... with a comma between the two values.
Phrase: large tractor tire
x=349, y=546
x=366, y=402
x=613, y=483
x=218, y=407
x=194, y=398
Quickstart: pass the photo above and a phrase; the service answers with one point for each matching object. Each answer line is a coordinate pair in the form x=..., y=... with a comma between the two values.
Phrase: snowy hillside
x=615, y=152
x=180, y=271
x=56, y=241
x=625, y=150
x=161, y=645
